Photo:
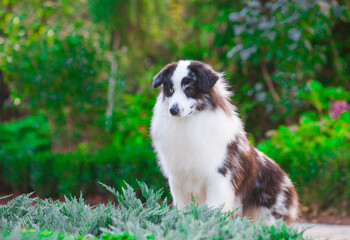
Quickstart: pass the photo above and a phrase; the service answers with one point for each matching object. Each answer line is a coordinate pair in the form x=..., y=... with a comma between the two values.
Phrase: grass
x=134, y=218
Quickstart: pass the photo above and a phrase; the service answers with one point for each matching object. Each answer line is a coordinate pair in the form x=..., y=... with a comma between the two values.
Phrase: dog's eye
x=189, y=90
x=171, y=90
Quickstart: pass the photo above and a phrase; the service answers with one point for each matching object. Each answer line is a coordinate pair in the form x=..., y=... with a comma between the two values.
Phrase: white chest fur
x=191, y=149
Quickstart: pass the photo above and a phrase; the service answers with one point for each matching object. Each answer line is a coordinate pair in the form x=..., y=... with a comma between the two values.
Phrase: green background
x=76, y=96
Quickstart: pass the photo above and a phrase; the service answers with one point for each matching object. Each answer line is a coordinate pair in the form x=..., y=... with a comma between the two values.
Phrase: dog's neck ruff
x=191, y=140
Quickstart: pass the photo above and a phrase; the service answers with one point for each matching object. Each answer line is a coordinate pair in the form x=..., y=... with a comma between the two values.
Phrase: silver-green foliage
x=152, y=218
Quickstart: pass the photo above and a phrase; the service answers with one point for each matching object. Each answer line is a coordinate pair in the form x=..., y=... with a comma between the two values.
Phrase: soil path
x=325, y=231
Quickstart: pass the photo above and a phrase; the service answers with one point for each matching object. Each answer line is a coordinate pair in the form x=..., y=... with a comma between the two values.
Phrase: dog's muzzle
x=174, y=110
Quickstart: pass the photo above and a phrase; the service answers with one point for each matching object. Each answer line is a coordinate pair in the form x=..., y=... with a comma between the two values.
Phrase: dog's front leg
x=180, y=198
x=220, y=191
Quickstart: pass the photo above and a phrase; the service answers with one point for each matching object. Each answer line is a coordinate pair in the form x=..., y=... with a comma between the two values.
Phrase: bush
x=153, y=219
x=69, y=173
x=21, y=142
x=74, y=172
x=316, y=151
x=316, y=155
x=280, y=45
x=132, y=141
x=29, y=164
x=68, y=86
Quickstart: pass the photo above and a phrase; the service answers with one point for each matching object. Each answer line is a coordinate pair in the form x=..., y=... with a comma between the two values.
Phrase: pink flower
x=337, y=108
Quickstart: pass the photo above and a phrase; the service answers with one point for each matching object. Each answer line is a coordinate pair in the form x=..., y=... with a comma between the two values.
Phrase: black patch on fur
x=201, y=106
x=206, y=77
x=164, y=74
x=167, y=86
x=222, y=170
x=190, y=88
x=187, y=81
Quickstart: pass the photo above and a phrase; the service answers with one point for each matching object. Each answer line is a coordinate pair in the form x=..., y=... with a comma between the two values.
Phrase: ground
x=324, y=231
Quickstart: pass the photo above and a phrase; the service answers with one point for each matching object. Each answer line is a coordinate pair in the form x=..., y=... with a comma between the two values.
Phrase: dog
x=203, y=150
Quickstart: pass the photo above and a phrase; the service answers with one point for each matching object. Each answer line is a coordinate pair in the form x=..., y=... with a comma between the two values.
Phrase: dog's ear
x=165, y=73
x=205, y=75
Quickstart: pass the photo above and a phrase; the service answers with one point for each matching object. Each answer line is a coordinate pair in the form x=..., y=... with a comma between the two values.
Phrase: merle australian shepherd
x=203, y=149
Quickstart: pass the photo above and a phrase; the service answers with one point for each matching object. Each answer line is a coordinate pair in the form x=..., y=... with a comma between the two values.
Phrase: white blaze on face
x=185, y=104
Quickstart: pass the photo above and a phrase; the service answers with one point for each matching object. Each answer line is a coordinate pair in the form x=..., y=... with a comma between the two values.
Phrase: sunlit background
x=76, y=96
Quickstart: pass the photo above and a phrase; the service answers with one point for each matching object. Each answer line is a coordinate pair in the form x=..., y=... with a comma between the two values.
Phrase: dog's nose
x=174, y=110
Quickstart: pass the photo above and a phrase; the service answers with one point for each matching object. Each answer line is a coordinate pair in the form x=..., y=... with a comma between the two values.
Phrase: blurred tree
x=127, y=23
x=56, y=63
x=282, y=44
x=4, y=95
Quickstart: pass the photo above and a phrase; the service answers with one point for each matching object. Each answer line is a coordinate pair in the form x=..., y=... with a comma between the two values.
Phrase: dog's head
x=186, y=87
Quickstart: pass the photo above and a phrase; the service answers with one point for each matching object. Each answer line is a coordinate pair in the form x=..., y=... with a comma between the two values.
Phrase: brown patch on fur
x=242, y=165
x=270, y=178
x=246, y=179
x=256, y=178
x=213, y=100
x=219, y=101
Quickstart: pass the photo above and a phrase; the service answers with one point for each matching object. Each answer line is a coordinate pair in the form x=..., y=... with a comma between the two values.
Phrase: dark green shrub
x=316, y=155
x=79, y=171
x=132, y=141
x=129, y=156
x=20, y=142
x=42, y=174
x=72, y=172
x=68, y=88
x=279, y=46
x=316, y=151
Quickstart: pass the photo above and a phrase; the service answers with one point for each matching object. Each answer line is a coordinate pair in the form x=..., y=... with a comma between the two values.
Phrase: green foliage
x=68, y=67
x=69, y=173
x=282, y=44
x=53, y=65
x=316, y=151
x=321, y=97
x=20, y=142
x=131, y=139
x=133, y=219
x=56, y=59
x=27, y=163
x=284, y=30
